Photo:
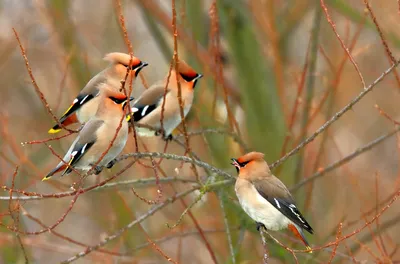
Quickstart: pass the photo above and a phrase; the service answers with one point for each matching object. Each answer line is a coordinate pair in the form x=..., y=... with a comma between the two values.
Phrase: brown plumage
x=265, y=198
x=85, y=104
x=96, y=136
x=147, y=108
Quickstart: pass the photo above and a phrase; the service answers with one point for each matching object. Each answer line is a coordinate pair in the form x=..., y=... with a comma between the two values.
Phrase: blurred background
x=274, y=73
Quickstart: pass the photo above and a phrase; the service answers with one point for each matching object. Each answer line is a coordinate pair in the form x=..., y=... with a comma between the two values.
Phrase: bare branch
x=139, y=220
x=335, y=117
x=120, y=185
x=346, y=159
x=199, y=163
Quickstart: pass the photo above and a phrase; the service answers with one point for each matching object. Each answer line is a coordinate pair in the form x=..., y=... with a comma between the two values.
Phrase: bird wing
x=276, y=193
x=89, y=92
x=148, y=101
x=85, y=140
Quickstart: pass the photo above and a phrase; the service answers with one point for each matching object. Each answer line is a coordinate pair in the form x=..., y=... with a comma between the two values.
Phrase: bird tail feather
x=298, y=232
x=59, y=168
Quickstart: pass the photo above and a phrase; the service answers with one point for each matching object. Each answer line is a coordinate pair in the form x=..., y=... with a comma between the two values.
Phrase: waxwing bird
x=265, y=198
x=96, y=136
x=85, y=104
x=147, y=108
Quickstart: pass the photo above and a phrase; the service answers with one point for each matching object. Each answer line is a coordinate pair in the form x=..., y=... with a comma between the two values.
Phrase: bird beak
x=131, y=98
x=198, y=76
x=140, y=67
x=235, y=163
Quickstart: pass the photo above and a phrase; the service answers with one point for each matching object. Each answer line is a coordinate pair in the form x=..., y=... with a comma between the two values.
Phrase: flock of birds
x=101, y=107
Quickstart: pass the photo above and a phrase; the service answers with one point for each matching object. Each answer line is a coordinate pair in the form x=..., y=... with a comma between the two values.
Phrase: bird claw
x=162, y=132
x=97, y=170
x=158, y=132
x=111, y=164
x=259, y=225
x=167, y=138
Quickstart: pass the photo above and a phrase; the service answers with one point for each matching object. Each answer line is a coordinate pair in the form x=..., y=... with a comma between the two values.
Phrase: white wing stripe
x=277, y=203
x=83, y=100
x=292, y=207
x=144, y=110
x=83, y=149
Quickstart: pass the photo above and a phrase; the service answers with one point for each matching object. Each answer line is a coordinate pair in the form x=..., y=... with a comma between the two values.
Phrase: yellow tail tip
x=53, y=131
x=46, y=178
x=309, y=249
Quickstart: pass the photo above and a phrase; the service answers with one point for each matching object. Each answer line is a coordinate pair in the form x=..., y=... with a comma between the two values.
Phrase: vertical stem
x=264, y=242
x=310, y=85
x=228, y=232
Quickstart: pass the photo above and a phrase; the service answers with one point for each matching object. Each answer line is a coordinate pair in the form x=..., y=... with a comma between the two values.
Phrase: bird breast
x=259, y=209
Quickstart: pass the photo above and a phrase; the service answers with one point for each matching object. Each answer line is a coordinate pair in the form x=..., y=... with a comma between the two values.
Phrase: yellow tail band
x=46, y=178
x=310, y=249
x=54, y=131
x=69, y=108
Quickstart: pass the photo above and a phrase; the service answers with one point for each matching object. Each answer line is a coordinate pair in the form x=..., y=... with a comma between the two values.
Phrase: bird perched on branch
x=266, y=199
x=85, y=104
x=94, y=144
x=149, y=109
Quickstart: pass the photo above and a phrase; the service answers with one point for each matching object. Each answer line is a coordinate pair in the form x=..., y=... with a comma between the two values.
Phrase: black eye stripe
x=242, y=164
x=188, y=78
x=117, y=100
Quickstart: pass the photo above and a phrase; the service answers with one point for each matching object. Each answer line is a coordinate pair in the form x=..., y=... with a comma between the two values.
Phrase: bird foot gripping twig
x=111, y=164
x=98, y=170
x=259, y=225
x=168, y=138
x=162, y=132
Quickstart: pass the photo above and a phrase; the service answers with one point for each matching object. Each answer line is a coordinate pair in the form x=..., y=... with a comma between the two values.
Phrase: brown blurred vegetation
x=281, y=72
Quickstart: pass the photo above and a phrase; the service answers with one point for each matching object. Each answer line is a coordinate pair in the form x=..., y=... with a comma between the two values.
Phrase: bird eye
x=243, y=164
x=117, y=100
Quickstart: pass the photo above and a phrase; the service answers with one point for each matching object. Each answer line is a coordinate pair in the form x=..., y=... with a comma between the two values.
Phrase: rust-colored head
x=251, y=165
x=111, y=100
x=120, y=63
x=187, y=74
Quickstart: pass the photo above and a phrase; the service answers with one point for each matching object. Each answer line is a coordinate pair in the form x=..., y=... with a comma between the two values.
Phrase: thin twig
x=265, y=246
x=180, y=99
x=138, y=220
x=346, y=159
x=233, y=135
x=309, y=88
x=68, y=239
x=120, y=185
x=16, y=218
x=338, y=234
x=330, y=21
x=335, y=117
x=226, y=224
x=383, y=226
x=37, y=89
x=178, y=235
x=196, y=162
x=198, y=199
x=292, y=251
x=384, y=43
